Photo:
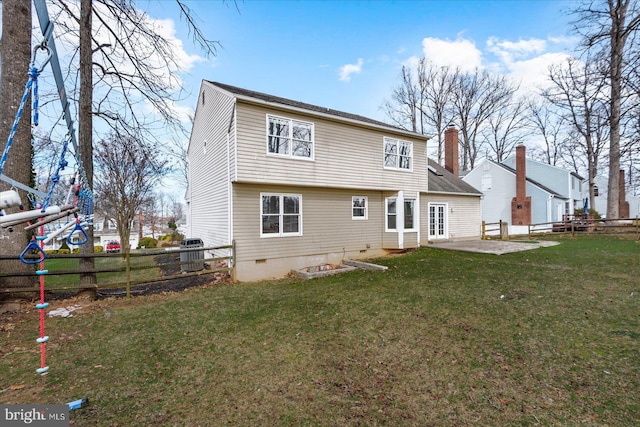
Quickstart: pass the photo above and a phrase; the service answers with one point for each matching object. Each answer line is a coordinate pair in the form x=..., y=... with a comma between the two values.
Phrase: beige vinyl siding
x=463, y=216
x=344, y=155
x=209, y=168
x=327, y=225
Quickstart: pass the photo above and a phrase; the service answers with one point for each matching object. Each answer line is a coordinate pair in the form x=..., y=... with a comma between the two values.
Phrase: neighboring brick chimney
x=451, y=150
x=521, y=204
x=623, y=205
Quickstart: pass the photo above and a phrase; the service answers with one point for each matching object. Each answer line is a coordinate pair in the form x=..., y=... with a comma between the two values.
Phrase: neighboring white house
x=296, y=185
x=600, y=205
x=561, y=181
x=546, y=192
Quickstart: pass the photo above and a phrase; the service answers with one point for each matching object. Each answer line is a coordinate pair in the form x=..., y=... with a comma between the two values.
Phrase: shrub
x=148, y=242
x=592, y=212
x=64, y=251
x=98, y=249
x=76, y=251
x=51, y=251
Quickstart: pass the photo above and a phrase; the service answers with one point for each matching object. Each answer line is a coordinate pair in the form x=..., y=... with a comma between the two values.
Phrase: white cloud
x=566, y=40
x=348, y=69
x=167, y=29
x=460, y=53
x=533, y=73
x=508, y=50
x=526, y=61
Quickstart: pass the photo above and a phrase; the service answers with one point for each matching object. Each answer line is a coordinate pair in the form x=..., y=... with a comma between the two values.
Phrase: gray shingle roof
x=310, y=107
x=445, y=182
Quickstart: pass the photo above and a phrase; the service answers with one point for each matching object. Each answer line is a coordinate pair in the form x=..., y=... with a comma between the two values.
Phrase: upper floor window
x=289, y=138
x=281, y=215
x=359, y=207
x=398, y=154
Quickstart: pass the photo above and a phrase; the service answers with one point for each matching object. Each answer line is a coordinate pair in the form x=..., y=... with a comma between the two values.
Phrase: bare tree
x=404, y=106
x=506, y=129
x=423, y=103
x=85, y=127
x=436, y=84
x=128, y=169
x=16, y=56
x=609, y=28
x=550, y=125
x=136, y=83
x=476, y=97
x=577, y=89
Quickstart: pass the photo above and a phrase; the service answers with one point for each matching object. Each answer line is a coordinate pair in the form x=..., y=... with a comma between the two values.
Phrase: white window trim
x=415, y=219
x=397, y=167
x=366, y=208
x=281, y=233
x=386, y=214
x=290, y=155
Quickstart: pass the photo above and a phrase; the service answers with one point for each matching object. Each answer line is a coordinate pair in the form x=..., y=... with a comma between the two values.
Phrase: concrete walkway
x=496, y=247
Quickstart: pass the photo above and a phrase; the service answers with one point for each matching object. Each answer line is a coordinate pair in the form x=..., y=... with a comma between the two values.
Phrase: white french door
x=437, y=221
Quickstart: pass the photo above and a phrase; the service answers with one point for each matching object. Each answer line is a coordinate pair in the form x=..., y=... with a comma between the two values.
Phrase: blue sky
x=347, y=55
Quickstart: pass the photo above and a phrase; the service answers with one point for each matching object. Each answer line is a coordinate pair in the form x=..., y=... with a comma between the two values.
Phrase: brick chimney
x=521, y=204
x=623, y=205
x=451, y=150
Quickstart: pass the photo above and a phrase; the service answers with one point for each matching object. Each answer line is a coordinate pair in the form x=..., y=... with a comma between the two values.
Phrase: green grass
x=543, y=337
x=104, y=279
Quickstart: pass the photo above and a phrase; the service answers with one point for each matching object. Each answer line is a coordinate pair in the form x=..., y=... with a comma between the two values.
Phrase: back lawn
x=543, y=337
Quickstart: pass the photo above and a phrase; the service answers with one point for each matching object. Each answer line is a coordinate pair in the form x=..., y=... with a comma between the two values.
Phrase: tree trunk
x=16, y=57
x=617, y=12
x=85, y=128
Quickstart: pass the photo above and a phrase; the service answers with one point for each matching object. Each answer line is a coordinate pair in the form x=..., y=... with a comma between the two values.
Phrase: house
x=105, y=229
x=296, y=185
x=568, y=184
x=630, y=204
x=522, y=191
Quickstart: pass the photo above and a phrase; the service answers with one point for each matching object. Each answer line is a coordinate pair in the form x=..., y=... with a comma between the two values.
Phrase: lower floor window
x=409, y=214
x=359, y=207
x=391, y=214
x=281, y=215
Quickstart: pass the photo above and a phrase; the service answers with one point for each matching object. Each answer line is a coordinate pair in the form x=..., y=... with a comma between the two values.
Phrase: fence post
x=128, y=268
x=484, y=230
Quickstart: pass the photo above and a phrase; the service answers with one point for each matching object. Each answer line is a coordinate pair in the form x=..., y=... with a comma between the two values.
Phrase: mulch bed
x=172, y=285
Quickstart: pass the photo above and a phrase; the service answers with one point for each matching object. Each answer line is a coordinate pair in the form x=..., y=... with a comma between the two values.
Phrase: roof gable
x=529, y=180
x=511, y=160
